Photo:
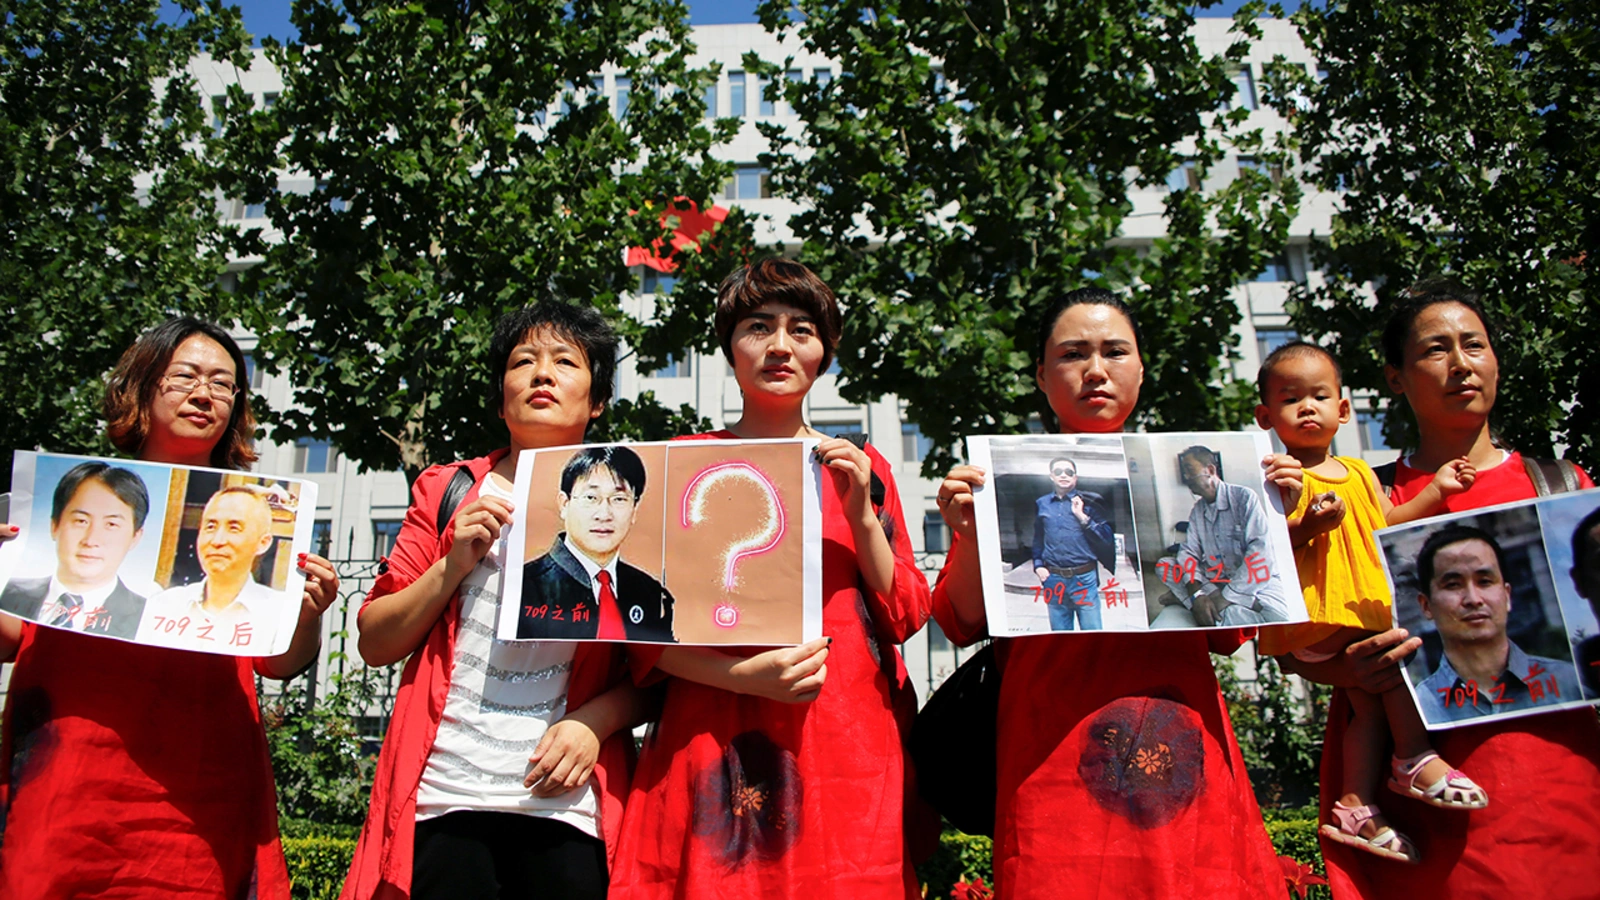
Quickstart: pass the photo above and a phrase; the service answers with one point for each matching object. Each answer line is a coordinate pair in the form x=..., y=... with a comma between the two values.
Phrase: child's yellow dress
x=1340, y=572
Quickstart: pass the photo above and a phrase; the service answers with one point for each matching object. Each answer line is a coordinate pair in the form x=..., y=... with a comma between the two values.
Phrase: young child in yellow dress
x=1337, y=505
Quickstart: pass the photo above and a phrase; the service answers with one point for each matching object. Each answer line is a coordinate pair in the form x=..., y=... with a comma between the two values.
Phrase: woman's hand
x=852, y=472
x=787, y=675
x=564, y=759
x=955, y=501
x=477, y=526
x=322, y=587
x=9, y=532
x=1284, y=471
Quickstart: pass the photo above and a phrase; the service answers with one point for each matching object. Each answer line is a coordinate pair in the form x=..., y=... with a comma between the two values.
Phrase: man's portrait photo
x=228, y=606
x=580, y=588
x=1571, y=523
x=97, y=517
x=1071, y=534
x=1220, y=572
x=1481, y=591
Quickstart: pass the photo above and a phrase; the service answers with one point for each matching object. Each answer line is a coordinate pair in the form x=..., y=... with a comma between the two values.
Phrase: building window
x=914, y=445
x=253, y=375
x=824, y=77
x=765, y=105
x=935, y=534
x=736, y=102
x=255, y=210
x=839, y=427
x=218, y=103
x=1184, y=178
x=322, y=538
x=1370, y=423
x=1270, y=339
x=711, y=100
x=748, y=183
x=675, y=368
x=624, y=90
x=1276, y=269
x=384, y=531
x=1244, y=89
x=794, y=76
x=268, y=101
x=315, y=456
x=655, y=282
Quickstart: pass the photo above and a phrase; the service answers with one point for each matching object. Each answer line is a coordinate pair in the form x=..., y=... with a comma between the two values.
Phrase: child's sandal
x=1454, y=791
x=1387, y=842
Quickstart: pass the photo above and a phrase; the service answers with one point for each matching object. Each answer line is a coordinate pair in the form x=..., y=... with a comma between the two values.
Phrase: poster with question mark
x=712, y=542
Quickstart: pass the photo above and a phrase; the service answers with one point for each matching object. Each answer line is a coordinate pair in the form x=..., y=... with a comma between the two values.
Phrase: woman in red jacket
x=783, y=774
x=1538, y=836
x=483, y=786
x=136, y=771
x=1118, y=772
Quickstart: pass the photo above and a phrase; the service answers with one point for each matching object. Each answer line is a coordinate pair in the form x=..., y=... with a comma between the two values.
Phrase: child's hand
x=564, y=759
x=1323, y=514
x=788, y=674
x=1283, y=470
x=1455, y=476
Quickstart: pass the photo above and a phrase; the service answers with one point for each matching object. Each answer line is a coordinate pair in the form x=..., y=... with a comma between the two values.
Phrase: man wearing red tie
x=580, y=588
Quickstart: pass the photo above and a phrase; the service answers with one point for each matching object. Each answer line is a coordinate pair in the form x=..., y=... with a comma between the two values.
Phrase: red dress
x=383, y=859
x=1539, y=836
x=132, y=771
x=1118, y=773
x=738, y=796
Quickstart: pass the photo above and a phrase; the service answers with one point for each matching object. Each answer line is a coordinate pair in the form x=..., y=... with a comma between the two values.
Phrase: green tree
x=1464, y=139
x=108, y=218
x=455, y=161
x=972, y=161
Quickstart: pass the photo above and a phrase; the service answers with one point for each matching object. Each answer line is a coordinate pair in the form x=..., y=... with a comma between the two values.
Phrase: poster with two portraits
x=173, y=556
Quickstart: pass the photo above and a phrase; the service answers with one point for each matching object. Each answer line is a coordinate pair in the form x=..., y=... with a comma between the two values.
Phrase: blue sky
x=264, y=18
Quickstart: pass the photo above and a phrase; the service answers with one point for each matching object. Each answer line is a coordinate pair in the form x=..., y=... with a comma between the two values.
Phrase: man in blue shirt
x=1483, y=672
x=1070, y=536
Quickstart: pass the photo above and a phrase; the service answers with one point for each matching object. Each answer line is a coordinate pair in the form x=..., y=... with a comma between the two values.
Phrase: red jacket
x=383, y=857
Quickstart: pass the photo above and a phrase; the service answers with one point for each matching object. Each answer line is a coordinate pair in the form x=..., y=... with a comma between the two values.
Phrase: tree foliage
x=108, y=218
x=973, y=161
x=1465, y=140
x=455, y=161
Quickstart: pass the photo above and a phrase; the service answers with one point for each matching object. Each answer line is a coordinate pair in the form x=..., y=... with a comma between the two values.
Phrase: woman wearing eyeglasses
x=138, y=771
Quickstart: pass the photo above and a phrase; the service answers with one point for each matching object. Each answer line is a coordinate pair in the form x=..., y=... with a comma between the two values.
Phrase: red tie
x=611, y=627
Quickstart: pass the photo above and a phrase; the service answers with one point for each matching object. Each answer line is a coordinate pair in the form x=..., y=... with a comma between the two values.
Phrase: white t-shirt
x=503, y=697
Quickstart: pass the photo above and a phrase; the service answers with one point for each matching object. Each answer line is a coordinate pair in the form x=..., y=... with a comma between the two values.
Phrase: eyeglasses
x=618, y=502
x=220, y=389
x=1054, y=473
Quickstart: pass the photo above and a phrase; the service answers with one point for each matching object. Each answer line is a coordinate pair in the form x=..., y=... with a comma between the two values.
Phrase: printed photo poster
x=686, y=542
x=172, y=556
x=1212, y=536
x=1055, y=534
x=1498, y=598
x=1093, y=533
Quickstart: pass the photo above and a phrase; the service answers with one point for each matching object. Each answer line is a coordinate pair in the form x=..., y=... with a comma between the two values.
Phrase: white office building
x=358, y=515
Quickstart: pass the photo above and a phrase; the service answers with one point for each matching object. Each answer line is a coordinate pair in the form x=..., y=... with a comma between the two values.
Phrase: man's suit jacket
x=120, y=616
x=558, y=602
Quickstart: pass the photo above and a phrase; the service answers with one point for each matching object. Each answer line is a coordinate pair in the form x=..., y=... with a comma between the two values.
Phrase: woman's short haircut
x=582, y=325
x=777, y=280
x=1421, y=296
x=1079, y=297
x=131, y=392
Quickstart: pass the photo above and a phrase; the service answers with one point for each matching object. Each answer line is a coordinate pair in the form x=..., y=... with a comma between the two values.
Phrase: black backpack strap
x=1385, y=474
x=1551, y=476
x=455, y=492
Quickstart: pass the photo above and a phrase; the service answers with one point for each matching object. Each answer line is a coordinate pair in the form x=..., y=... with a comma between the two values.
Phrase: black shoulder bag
x=953, y=742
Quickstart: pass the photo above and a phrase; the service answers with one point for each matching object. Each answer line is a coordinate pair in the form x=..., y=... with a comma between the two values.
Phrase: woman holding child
x=1118, y=770
x=1537, y=837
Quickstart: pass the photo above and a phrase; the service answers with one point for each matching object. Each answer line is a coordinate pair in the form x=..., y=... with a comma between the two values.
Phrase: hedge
x=319, y=856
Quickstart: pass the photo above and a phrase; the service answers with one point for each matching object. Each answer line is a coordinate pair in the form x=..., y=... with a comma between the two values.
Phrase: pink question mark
x=762, y=539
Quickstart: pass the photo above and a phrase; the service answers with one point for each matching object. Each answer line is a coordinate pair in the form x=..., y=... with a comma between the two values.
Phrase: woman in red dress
x=1118, y=773
x=135, y=771
x=783, y=774
x=1538, y=837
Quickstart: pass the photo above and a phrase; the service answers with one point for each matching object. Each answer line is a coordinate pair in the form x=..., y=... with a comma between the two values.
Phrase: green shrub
x=317, y=865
